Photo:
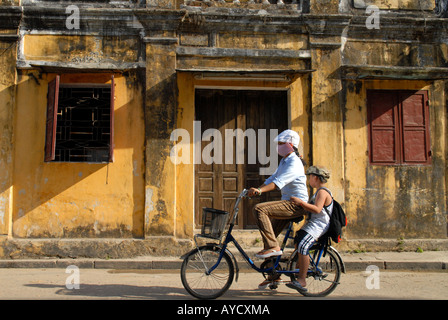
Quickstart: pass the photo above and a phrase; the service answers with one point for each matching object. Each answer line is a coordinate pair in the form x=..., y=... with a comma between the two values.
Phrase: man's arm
x=263, y=188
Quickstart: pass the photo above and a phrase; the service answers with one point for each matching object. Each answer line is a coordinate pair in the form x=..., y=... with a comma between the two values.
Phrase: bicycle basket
x=213, y=223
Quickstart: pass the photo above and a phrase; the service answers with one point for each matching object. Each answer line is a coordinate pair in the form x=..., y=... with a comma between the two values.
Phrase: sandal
x=267, y=282
x=268, y=253
x=296, y=285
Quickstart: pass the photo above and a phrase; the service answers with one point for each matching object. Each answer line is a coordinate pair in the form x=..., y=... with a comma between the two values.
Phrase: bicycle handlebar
x=237, y=203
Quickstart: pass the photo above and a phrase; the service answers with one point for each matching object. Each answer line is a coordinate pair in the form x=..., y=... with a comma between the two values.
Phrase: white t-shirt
x=317, y=223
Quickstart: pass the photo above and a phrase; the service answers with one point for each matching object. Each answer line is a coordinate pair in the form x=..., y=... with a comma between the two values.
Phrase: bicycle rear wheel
x=196, y=279
x=321, y=279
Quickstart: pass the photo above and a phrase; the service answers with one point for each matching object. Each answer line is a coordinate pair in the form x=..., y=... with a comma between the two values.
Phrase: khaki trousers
x=272, y=217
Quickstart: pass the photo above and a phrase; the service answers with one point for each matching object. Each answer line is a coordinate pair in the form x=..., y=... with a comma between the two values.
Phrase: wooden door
x=218, y=184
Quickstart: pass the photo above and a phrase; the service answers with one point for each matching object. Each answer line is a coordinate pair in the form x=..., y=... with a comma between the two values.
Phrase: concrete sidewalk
x=424, y=261
x=430, y=260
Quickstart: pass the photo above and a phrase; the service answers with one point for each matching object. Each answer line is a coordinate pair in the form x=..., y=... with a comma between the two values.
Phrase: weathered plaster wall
x=411, y=5
x=7, y=102
x=9, y=22
x=394, y=201
x=326, y=132
x=81, y=49
x=73, y=200
x=160, y=112
x=146, y=194
x=9, y=2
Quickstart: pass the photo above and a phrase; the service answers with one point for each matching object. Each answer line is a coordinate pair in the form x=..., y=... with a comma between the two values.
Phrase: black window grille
x=83, y=123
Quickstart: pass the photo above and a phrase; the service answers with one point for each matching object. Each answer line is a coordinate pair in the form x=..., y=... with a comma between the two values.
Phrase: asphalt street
x=106, y=284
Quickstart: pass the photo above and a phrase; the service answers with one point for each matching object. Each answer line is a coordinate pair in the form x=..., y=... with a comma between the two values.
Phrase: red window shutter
x=112, y=106
x=415, y=124
x=383, y=122
x=52, y=114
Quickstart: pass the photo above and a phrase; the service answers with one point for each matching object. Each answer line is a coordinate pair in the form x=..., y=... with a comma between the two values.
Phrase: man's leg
x=276, y=210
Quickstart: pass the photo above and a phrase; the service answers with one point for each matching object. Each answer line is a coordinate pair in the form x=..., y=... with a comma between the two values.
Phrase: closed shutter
x=398, y=127
x=415, y=123
x=52, y=112
x=383, y=123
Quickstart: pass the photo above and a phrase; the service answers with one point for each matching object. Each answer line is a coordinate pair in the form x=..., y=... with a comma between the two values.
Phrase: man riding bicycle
x=273, y=216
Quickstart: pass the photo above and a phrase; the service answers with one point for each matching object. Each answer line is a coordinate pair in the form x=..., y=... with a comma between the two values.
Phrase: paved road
x=166, y=284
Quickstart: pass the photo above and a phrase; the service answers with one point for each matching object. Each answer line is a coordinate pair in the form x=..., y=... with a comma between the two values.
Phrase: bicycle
x=207, y=271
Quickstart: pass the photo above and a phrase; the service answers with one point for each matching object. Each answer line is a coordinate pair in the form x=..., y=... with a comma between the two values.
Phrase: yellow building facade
x=89, y=170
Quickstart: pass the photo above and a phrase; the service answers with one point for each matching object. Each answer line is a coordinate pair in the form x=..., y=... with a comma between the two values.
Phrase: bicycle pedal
x=275, y=285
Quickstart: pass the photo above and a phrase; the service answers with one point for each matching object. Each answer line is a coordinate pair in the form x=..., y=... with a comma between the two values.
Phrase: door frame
x=287, y=89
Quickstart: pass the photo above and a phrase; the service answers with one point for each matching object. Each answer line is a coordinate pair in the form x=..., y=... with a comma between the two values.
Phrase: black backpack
x=338, y=220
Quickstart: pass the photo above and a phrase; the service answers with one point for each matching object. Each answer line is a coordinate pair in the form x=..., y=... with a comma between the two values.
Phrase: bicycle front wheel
x=322, y=278
x=197, y=279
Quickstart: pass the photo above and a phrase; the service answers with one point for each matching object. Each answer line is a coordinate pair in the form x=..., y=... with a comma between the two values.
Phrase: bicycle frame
x=194, y=275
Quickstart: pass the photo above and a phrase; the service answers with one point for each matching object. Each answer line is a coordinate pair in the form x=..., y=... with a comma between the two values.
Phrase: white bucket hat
x=289, y=136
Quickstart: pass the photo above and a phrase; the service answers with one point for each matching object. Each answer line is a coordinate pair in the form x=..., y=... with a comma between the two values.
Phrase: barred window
x=79, y=122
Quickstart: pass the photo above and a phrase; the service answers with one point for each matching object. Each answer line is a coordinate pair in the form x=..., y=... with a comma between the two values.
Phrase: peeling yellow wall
x=185, y=172
x=160, y=110
x=262, y=41
x=391, y=54
x=326, y=115
x=7, y=94
x=80, y=49
x=55, y=199
x=143, y=193
x=9, y=2
x=399, y=4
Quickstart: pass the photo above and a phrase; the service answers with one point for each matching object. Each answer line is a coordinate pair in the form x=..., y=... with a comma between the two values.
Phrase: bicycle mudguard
x=339, y=258
x=235, y=263
x=216, y=247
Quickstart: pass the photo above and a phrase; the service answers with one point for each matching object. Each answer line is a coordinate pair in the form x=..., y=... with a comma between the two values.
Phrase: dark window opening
x=79, y=123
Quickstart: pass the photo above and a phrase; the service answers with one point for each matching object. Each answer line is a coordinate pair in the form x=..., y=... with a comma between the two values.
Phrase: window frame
x=51, y=119
x=399, y=127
